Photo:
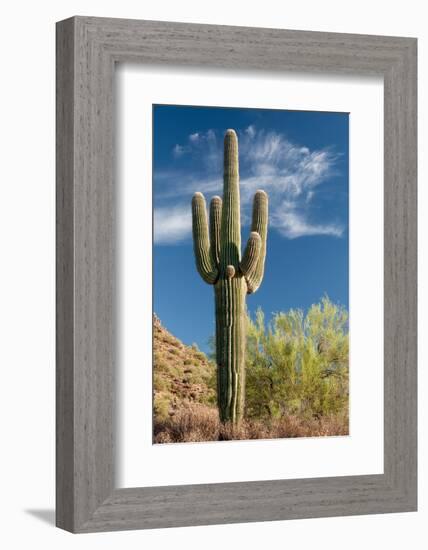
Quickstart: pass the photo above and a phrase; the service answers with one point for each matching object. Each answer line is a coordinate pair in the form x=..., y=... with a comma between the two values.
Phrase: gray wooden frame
x=87, y=50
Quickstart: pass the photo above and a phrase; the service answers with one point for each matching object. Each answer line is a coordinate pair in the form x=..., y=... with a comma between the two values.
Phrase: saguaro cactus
x=219, y=262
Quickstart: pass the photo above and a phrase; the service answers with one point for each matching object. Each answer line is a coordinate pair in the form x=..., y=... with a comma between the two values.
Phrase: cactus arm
x=201, y=243
x=215, y=226
x=251, y=255
x=230, y=219
x=260, y=226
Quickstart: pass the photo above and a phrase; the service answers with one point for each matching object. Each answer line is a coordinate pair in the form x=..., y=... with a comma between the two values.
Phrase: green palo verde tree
x=218, y=261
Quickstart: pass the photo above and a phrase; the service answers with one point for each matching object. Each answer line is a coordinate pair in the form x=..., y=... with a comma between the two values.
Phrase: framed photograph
x=236, y=274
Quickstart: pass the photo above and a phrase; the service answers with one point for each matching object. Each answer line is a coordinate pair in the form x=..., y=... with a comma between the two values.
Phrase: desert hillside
x=183, y=375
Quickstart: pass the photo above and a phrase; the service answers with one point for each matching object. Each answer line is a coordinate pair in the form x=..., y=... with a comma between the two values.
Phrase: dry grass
x=196, y=423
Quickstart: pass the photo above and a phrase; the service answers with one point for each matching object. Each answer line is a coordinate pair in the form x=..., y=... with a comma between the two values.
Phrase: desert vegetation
x=297, y=380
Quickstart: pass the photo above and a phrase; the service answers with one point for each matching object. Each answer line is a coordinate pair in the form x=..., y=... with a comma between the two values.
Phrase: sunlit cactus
x=219, y=262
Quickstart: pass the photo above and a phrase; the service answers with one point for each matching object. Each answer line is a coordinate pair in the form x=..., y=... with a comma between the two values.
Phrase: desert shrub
x=210, y=379
x=162, y=366
x=161, y=383
x=161, y=406
x=191, y=423
x=199, y=355
x=298, y=364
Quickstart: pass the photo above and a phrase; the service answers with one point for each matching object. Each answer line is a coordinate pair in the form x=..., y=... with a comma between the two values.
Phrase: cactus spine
x=219, y=262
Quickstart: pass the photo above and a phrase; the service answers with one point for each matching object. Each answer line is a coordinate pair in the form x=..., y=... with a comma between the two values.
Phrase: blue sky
x=300, y=158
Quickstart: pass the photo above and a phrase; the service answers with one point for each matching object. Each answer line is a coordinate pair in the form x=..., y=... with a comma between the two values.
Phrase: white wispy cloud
x=171, y=224
x=250, y=131
x=202, y=146
x=180, y=150
x=292, y=224
x=290, y=173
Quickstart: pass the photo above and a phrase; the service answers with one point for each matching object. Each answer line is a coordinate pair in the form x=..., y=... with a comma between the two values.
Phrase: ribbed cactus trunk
x=218, y=260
